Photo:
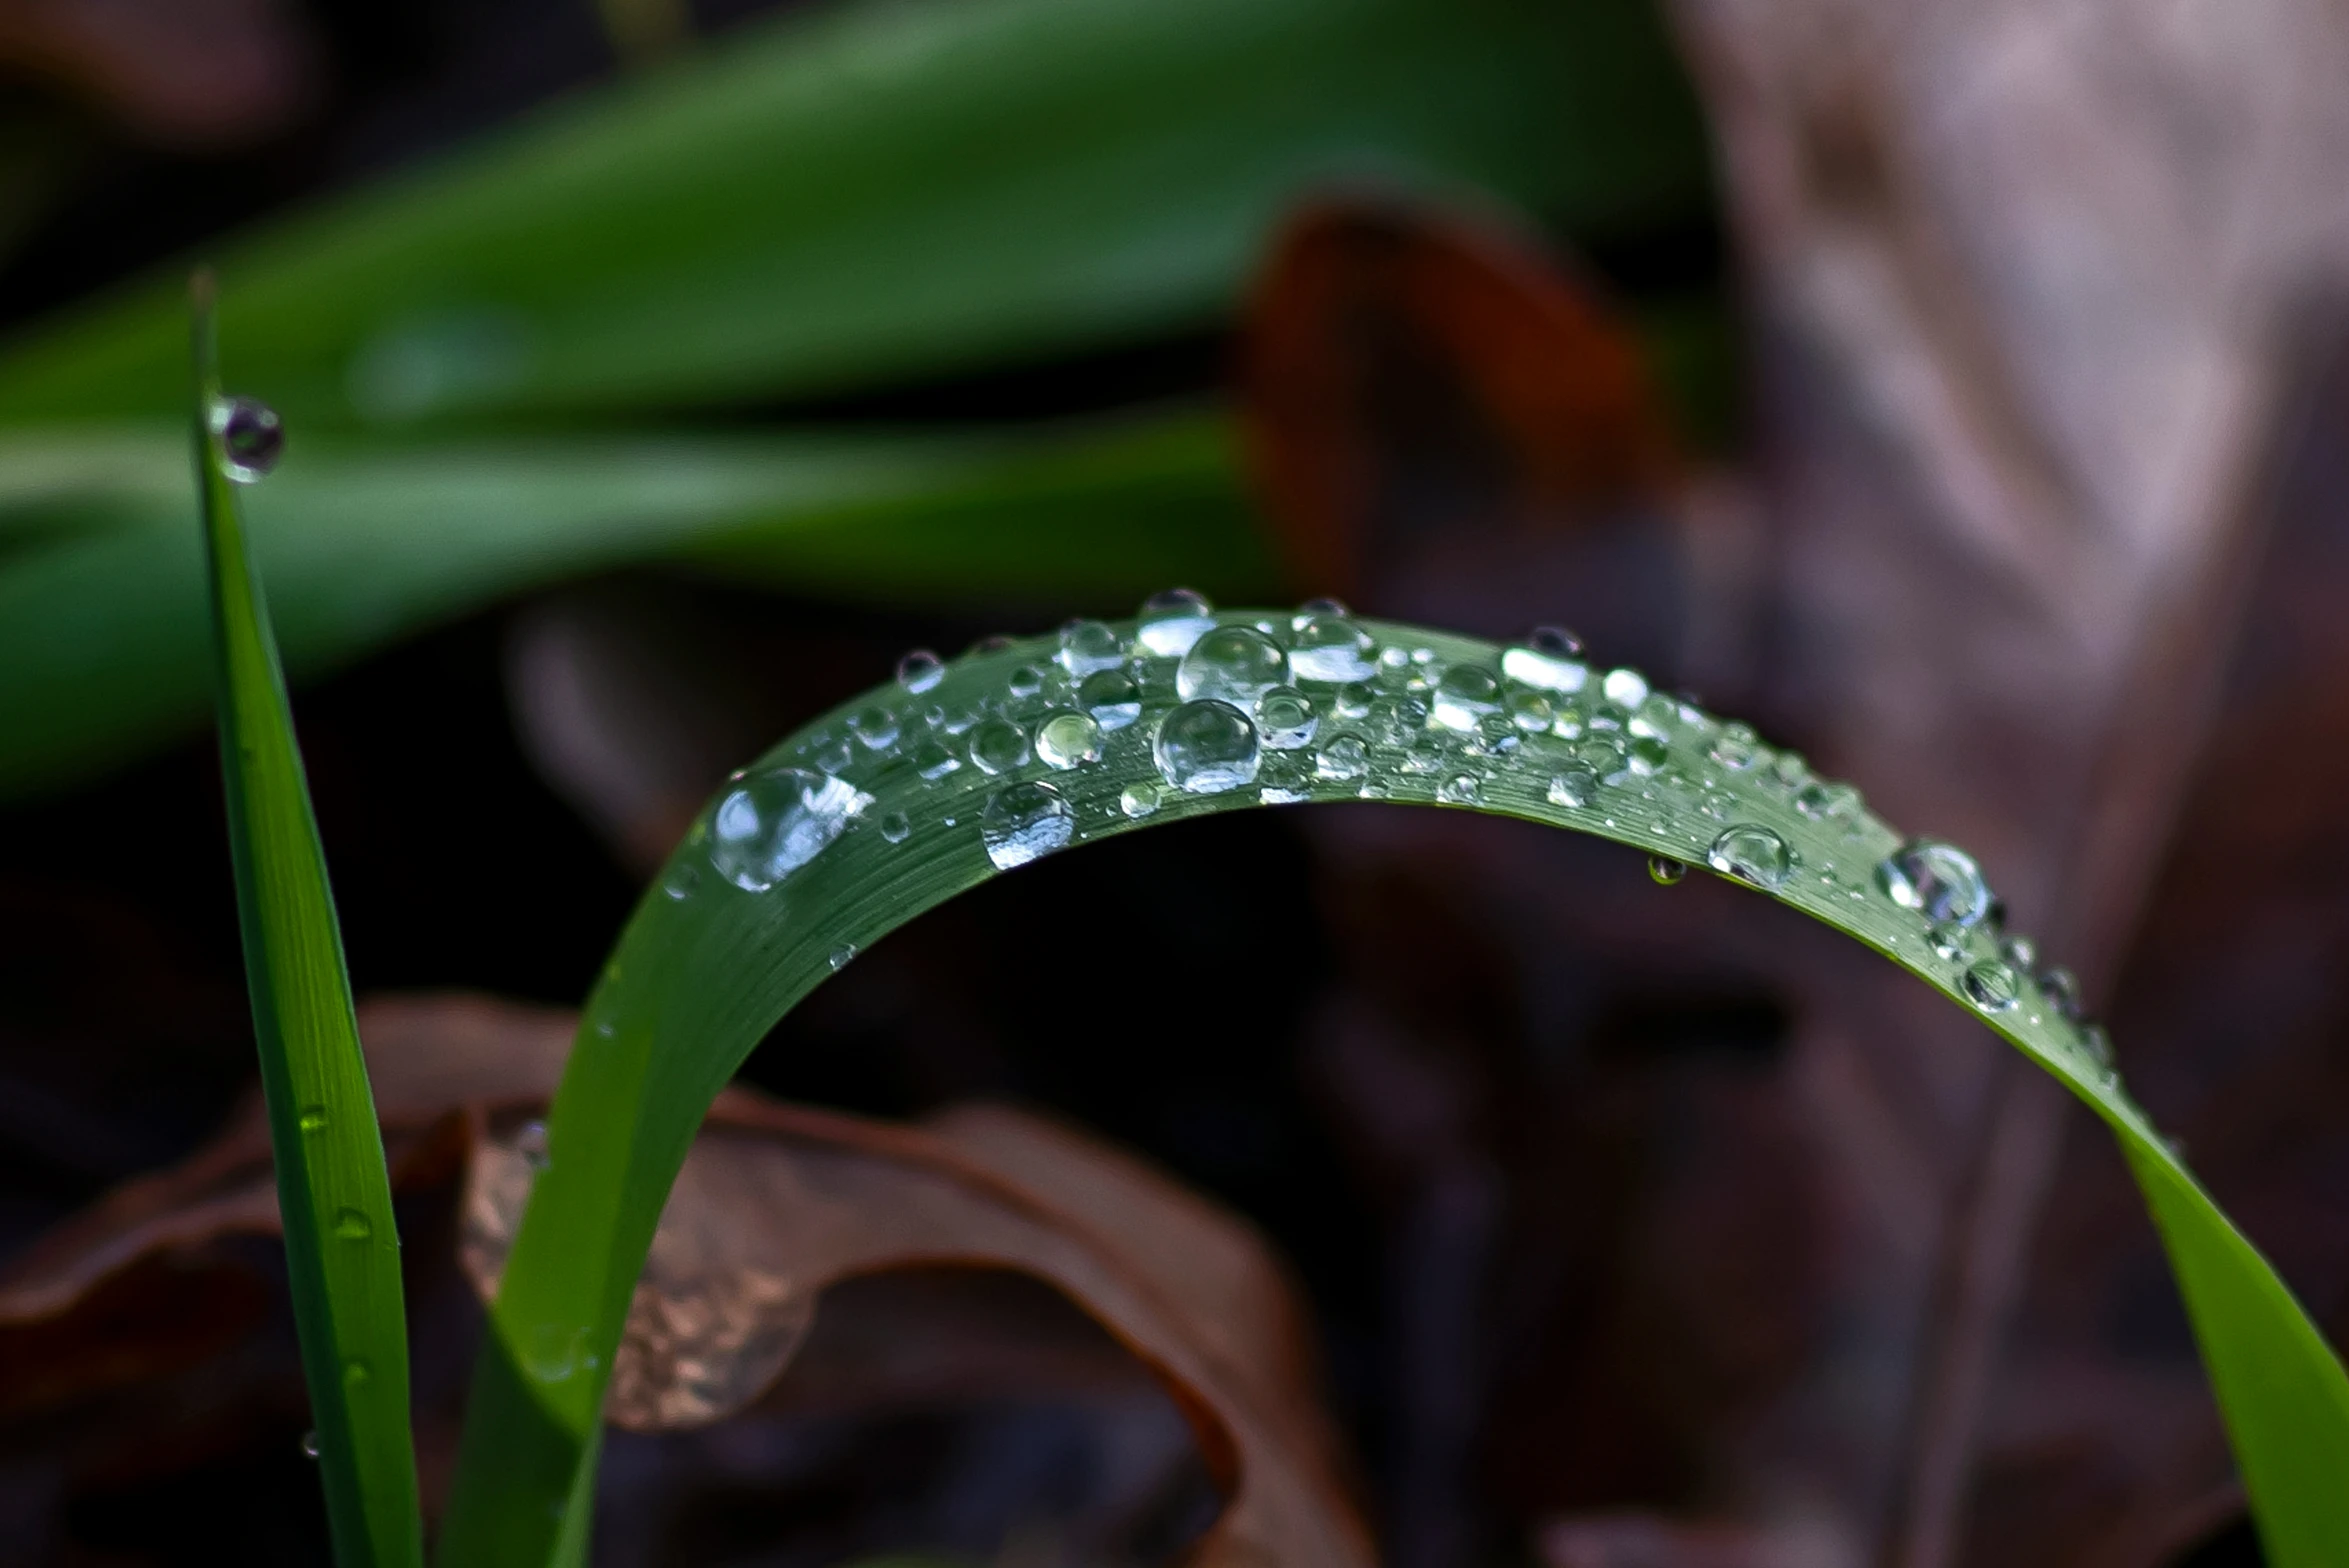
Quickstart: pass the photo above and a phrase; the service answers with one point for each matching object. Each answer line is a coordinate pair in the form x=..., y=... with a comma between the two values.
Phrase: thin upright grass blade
x=342, y=1247
x=915, y=792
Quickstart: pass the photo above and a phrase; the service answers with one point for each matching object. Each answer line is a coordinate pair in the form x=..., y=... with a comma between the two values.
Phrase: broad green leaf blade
x=102, y=615
x=855, y=194
x=828, y=843
x=342, y=1245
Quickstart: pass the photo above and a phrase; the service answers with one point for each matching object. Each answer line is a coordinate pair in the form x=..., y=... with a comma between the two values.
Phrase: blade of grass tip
x=342, y=1248
x=825, y=845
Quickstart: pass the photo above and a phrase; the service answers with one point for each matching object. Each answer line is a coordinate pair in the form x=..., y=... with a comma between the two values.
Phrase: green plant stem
x=341, y=1240
x=705, y=969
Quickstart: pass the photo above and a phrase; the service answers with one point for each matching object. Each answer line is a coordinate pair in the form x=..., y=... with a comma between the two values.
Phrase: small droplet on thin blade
x=250, y=435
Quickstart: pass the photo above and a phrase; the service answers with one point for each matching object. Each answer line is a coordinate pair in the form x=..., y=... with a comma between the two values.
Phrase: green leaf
x=707, y=966
x=853, y=195
x=102, y=608
x=342, y=1245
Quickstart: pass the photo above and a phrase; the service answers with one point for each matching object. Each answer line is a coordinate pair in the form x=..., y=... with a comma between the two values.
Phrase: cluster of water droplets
x=1030, y=747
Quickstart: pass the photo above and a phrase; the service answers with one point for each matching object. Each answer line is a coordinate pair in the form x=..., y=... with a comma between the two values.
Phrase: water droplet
x=1138, y=800
x=1317, y=607
x=357, y=1373
x=251, y=437
x=1394, y=672
x=2020, y=951
x=1790, y=770
x=1283, y=777
x=1088, y=647
x=1461, y=789
x=1550, y=659
x=681, y=881
x=351, y=1225
x=1752, y=853
x=1234, y=664
x=2098, y=1044
x=933, y=761
x=999, y=746
x=1822, y=802
x=895, y=828
x=1603, y=755
x=1665, y=871
x=1574, y=787
x=1646, y=754
x=1735, y=748
x=1991, y=986
x=531, y=1144
x=310, y=1445
x=1342, y=758
x=1397, y=721
x=1625, y=687
x=1950, y=939
x=994, y=642
x=1026, y=682
x=1529, y=711
x=1330, y=649
x=1285, y=719
x=2062, y=989
x=1555, y=641
x=920, y=671
x=842, y=956
x=1025, y=822
x=1172, y=621
x=1353, y=702
x=312, y=1119
x=1068, y=740
x=1206, y=747
x=774, y=823
x=1464, y=696
x=1112, y=697
x=1941, y=880
x=876, y=727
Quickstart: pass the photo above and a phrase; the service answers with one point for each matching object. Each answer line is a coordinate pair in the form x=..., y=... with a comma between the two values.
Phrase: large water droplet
x=1735, y=748
x=351, y=1225
x=1285, y=719
x=682, y=881
x=1752, y=853
x=1112, y=697
x=1991, y=986
x=1234, y=664
x=1087, y=647
x=1823, y=802
x=553, y=1352
x=1665, y=871
x=1068, y=740
x=1172, y=621
x=1542, y=660
x=1206, y=747
x=1574, y=787
x=895, y=828
x=1465, y=696
x=1139, y=799
x=1625, y=687
x=1343, y=758
x=2062, y=989
x=1461, y=789
x=920, y=671
x=773, y=823
x=933, y=761
x=876, y=727
x=250, y=435
x=1025, y=822
x=1938, y=879
x=1330, y=649
x=998, y=746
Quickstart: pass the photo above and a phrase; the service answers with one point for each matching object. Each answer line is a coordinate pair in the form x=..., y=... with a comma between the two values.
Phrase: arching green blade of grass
x=875, y=827
x=342, y=1246
x=102, y=616
x=855, y=194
